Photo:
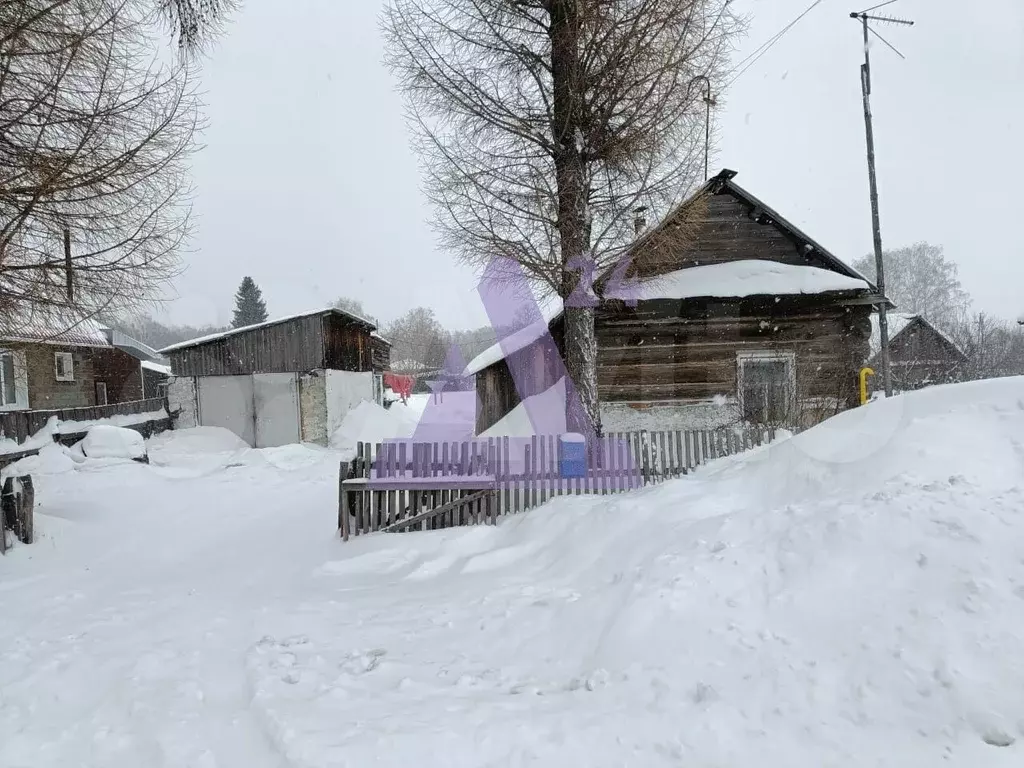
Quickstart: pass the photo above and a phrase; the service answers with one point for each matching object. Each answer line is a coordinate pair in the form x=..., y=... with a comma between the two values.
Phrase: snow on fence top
x=734, y=279
x=276, y=321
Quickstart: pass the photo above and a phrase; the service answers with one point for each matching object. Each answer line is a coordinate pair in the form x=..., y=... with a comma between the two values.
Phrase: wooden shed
x=919, y=353
x=283, y=381
x=752, y=321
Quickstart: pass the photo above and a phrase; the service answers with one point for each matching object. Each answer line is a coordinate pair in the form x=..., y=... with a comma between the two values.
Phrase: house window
x=767, y=387
x=8, y=389
x=64, y=366
x=101, y=393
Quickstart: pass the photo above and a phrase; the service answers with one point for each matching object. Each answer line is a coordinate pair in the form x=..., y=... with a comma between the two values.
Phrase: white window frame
x=3, y=380
x=789, y=358
x=69, y=366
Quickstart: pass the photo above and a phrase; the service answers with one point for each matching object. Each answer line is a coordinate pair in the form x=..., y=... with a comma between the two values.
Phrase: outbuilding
x=919, y=353
x=283, y=381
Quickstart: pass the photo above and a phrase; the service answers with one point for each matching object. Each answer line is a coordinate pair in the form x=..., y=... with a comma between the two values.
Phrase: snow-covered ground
x=852, y=596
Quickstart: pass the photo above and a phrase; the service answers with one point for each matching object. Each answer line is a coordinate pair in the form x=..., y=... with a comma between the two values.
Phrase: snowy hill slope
x=815, y=604
x=851, y=596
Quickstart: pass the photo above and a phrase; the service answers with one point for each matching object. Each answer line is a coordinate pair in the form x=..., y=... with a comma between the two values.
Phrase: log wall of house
x=686, y=351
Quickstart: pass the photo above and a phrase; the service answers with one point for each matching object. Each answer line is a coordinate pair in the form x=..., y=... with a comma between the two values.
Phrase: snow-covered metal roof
x=550, y=310
x=54, y=326
x=156, y=367
x=276, y=321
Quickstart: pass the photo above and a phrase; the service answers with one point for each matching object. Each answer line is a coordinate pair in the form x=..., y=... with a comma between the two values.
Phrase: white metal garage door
x=226, y=401
x=276, y=396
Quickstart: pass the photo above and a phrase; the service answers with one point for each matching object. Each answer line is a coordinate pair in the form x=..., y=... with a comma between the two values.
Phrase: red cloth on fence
x=400, y=385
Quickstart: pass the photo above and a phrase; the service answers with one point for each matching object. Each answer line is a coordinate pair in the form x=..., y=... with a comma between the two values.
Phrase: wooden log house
x=751, y=321
x=919, y=353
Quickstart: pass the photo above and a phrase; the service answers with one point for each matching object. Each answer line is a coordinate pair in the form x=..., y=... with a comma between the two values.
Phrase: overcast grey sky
x=308, y=184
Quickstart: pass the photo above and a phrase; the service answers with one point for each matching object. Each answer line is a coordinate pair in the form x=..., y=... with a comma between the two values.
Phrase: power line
x=880, y=5
x=753, y=58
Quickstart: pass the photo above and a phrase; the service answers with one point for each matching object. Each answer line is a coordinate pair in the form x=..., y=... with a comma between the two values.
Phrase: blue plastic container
x=573, y=461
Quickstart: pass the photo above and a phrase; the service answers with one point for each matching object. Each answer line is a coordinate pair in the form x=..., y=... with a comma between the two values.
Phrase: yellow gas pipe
x=864, y=373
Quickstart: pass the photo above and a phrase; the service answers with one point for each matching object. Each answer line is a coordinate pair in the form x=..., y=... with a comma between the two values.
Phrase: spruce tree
x=250, y=308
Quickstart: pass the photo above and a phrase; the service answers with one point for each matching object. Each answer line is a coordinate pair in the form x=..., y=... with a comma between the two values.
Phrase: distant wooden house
x=58, y=360
x=283, y=381
x=919, y=353
x=155, y=376
x=753, y=321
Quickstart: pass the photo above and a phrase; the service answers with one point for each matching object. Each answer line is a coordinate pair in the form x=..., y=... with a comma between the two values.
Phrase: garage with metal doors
x=279, y=382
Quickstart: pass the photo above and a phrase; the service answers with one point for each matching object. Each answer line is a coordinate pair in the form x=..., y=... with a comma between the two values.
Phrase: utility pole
x=69, y=271
x=865, y=84
x=709, y=102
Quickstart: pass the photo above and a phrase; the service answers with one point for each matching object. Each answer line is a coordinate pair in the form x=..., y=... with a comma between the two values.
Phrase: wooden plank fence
x=20, y=425
x=402, y=485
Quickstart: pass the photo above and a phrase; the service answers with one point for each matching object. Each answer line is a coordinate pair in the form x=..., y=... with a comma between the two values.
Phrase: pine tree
x=250, y=308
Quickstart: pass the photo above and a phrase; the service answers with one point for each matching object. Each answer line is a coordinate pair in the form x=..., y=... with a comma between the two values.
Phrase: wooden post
x=342, y=502
x=645, y=447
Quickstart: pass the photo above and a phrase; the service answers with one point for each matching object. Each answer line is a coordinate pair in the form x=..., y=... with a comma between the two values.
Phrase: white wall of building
x=344, y=391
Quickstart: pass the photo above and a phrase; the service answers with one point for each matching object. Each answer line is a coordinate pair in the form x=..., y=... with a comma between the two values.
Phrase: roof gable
x=732, y=225
x=901, y=323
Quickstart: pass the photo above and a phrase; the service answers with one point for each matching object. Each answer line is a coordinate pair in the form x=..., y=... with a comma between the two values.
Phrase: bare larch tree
x=543, y=125
x=194, y=22
x=921, y=279
x=95, y=138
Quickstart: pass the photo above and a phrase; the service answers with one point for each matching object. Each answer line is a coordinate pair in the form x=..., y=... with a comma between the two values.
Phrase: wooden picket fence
x=404, y=485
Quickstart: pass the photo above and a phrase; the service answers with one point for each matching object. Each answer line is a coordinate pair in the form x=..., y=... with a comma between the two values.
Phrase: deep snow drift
x=852, y=596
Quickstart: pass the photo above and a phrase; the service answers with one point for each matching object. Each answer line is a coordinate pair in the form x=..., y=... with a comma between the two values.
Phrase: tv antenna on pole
x=865, y=17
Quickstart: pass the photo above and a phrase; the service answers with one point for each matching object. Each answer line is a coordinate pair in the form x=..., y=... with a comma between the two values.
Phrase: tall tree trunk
x=582, y=414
